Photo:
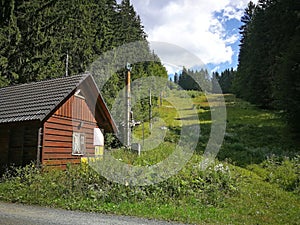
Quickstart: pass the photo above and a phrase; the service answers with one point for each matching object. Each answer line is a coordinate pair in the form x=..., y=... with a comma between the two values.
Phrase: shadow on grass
x=246, y=144
x=252, y=135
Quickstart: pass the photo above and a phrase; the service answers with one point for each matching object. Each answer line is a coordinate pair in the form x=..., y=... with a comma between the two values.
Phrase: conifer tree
x=268, y=67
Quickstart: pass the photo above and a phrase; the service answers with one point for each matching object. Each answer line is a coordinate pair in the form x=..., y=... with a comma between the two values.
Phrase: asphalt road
x=17, y=214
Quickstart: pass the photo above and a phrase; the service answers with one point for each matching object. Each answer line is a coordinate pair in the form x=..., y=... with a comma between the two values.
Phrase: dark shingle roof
x=34, y=101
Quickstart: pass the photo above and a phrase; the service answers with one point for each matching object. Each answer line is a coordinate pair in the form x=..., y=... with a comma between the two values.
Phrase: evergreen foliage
x=194, y=80
x=268, y=70
x=224, y=79
x=36, y=36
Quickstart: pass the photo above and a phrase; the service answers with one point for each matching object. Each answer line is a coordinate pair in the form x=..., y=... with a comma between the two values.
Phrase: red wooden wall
x=58, y=132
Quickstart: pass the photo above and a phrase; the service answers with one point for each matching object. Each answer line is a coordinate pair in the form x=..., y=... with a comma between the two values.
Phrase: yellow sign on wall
x=99, y=151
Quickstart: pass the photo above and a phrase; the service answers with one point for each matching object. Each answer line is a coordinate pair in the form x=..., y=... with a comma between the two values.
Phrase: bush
x=79, y=187
x=283, y=171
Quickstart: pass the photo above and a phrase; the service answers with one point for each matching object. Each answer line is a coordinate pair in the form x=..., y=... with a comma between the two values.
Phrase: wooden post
x=161, y=99
x=39, y=146
x=143, y=133
x=150, y=110
x=127, y=107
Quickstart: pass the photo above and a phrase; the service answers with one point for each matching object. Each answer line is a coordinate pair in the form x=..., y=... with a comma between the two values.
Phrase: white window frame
x=78, y=143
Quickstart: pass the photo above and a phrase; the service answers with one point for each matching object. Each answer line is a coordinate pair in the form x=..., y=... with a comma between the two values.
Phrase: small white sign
x=98, y=137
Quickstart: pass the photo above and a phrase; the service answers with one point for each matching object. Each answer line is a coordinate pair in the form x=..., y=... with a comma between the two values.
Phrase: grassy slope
x=252, y=135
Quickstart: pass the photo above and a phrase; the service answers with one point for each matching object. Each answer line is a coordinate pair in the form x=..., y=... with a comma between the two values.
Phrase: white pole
x=67, y=64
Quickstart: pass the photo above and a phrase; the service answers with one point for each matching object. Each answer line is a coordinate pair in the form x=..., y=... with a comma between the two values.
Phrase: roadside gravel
x=18, y=214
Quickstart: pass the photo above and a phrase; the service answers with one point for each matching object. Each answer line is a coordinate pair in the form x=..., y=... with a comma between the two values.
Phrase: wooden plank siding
x=18, y=144
x=76, y=108
x=4, y=147
x=73, y=116
x=23, y=145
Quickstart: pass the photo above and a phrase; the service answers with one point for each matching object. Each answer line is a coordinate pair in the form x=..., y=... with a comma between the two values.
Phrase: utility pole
x=127, y=127
x=160, y=99
x=143, y=128
x=150, y=110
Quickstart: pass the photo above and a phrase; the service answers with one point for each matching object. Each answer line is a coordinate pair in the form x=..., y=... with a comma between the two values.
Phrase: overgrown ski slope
x=254, y=181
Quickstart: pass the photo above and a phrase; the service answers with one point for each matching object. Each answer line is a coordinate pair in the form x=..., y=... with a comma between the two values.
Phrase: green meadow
x=255, y=178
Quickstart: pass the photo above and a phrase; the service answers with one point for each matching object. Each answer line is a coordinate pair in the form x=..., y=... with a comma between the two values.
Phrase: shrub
x=284, y=172
x=77, y=185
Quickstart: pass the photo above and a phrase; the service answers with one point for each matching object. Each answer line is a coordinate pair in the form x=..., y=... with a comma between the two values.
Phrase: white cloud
x=191, y=24
x=232, y=39
x=175, y=57
x=172, y=69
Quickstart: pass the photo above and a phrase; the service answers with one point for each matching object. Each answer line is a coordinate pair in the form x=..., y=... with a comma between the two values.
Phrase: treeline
x=223, y=80
x=217, y=82
x=190, y=79
x=36, y=37
x=268, y=73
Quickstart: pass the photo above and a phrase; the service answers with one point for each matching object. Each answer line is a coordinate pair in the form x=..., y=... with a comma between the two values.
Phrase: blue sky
x=231, y=29
x=207, y=29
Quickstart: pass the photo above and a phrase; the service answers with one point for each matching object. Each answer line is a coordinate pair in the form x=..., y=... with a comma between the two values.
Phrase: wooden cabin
x=52, y=122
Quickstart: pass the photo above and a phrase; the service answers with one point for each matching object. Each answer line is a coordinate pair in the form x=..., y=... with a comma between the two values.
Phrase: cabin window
x=78, y=144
